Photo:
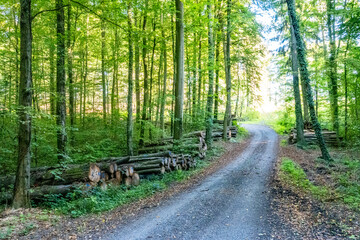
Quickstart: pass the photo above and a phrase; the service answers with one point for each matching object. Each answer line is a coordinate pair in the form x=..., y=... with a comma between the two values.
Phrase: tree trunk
x=210, y=97
x=114, y=96
x=227, y=117
x=146, y=90
x=70, y=71
x=179, y=82
x=52, y=80
x=332, y=66
x=217, y=70
x=194, y=108
x=137, y=73
x=149, y=117
x=60, y=83
x=163, y=97
x=129, y=127
x=295, y=73
x=22, y=181
x=103, y=79
x=301, y=54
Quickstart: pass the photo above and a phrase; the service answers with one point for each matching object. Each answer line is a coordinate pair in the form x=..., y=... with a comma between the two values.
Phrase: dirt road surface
x=233, y=203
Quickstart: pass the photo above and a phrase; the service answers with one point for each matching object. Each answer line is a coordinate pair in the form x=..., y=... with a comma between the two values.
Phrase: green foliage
x=292, y=173
x=347, y=176
x=282, y=121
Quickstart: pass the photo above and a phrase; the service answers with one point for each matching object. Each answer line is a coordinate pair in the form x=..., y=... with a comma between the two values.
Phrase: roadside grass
x=291, y=172
x=345, y=174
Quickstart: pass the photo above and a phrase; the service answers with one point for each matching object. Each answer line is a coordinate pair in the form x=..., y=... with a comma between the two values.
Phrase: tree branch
x=96, y=14
x=48, y=10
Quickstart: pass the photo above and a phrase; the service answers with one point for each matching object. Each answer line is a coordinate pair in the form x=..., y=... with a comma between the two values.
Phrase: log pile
x=166, y=155
x=330, y=137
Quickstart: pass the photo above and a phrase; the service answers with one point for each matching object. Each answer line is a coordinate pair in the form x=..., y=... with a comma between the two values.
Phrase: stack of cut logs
x=330, y=137
x=157, y=158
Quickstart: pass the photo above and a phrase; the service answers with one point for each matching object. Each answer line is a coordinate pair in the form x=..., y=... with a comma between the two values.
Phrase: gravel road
x=233, y=203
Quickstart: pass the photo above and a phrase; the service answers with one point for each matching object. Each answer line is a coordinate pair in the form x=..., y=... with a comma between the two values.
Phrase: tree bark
x=210, y=97
x=60, y=83
x=163, y=97
x=332, y=66
x=103, y=79
x=129, y=127
x=301, y=54
x=146, y=90
x=227, y=117
x=295, y=73
x=179, y=82
x=22, y=181
x=70, y=70
x=137, y=73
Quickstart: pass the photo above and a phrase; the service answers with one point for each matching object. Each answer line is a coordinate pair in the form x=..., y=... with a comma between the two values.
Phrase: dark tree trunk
x=22, y=181
x=210, y=98
x=137, y=73
x=60, y=83
x=179, y=81
x=114, y=88
x=146, y=90
x=217, y=69
x=227, y=117
x=129, y=127
x=194, y=81
x=52, y=79
x=332, y=66
x=301, y=54
x=103, y=79
x=295, y=73
x=70, y=71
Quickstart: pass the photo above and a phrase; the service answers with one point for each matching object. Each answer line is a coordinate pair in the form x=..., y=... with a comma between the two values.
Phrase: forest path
x=233, y=203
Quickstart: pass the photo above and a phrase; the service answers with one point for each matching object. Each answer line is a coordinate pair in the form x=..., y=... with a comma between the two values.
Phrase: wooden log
x=127, y=181
x=94, y=173
x=150, y=171
x=135, y=180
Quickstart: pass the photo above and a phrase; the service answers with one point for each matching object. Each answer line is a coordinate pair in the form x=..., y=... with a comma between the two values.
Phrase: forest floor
x=240, y=195
x=318, y=211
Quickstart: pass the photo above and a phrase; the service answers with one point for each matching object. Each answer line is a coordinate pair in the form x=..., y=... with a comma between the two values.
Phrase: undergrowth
x=344, y=172
x=292, y=173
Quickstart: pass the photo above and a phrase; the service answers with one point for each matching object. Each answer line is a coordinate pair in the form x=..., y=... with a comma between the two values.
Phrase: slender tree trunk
x=163, y=98
x=114, y=96
x=194, y=108
x=16, y=27
x=70, y=72
x=85, y=74
x=199, y=79
x=174, y=79
x=295, y=73
x=137, y=74
x=301, y=55
x=129, y=127
x=179, y=82
x=217, y=69
x=146, y=90
x=332, y=66
x=210, y=97
x=103, y=79
x=60, y=83
x=22, y=181
x=52, y=80
x=149, y=118
x=227, y=118
x=346, y=89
